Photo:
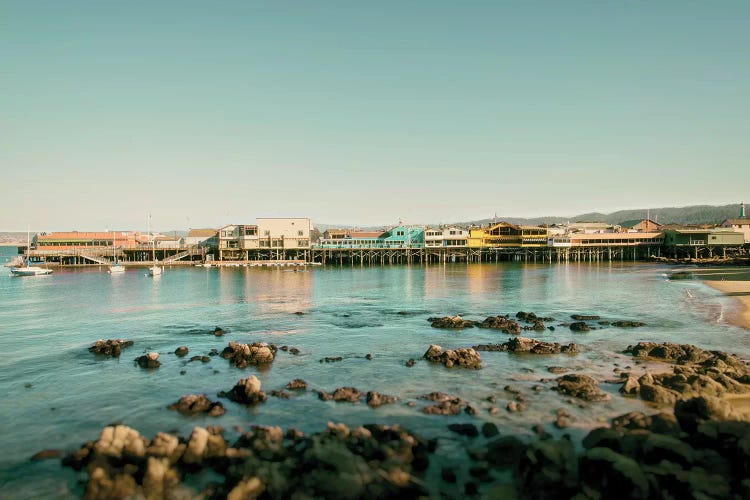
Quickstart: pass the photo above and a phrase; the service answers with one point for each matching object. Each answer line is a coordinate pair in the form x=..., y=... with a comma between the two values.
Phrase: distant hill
x=695, y=214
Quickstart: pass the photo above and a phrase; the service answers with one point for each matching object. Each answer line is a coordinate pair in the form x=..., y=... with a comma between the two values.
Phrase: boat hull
x=30, y=271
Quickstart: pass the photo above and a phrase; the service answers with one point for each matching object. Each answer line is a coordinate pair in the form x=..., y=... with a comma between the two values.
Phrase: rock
x=450, y=322
x=489, y=430
x=242, y=355
x=445, y=404
x=469, y=430
x=150, y=360
x=111, y=347
x=658, y=394
x=582, y=387
x=579, y=326
x=628, y=324
x=181, y=351
x=376, y=399
x=280, y=394
x=631, y=385
x=514, y=406
x=368, y=356
x=297, y=384
x=464, y=358
x=613, y=475
x=294, y=351
x=331, y=359
x=585, y=317
x=533, y=346
x=348, y=394
x=448, y=475
x=246, y=391
x=46, y=454
x=501, y=323
x=246, y=489
x=557, y=369
x=218, y=331
x=192, y=404
x=411, y=362
x=504, y=451
x=693, y=412
x=202, y=359
x=547, y=469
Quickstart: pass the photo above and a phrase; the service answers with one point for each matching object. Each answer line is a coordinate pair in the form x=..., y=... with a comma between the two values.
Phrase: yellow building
x=504, y=234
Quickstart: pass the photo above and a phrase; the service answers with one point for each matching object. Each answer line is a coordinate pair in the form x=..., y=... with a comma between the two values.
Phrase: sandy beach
x=740, y=290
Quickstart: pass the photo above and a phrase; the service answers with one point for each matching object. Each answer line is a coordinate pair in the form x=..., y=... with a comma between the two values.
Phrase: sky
x=205, y=113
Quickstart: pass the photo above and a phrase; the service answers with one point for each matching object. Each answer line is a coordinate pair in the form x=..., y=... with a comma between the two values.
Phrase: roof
x=86, y=235
x=617, y=236
x=634, y=222
x=723, y=230
x=201, y=233
x=365, y=234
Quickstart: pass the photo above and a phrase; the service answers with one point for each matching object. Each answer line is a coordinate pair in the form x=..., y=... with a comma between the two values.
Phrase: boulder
x=297, y=384
x=451, y=322
x=181, y=351
x=111, y=347
x=246, y=391
x=462, y=357
x=469, y=430
x=375, y=399
x=150, y=360
x=579, y=326
x=242, y=355
x=582, y=387
x=193, y=404
x=502, y=323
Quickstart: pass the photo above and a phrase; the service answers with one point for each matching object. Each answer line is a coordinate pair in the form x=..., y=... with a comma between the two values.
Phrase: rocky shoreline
x=693, y=444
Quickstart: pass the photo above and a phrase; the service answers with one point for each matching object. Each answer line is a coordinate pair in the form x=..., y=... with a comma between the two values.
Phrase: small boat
x=116, y=268
x=29, y=270
x=153, y=270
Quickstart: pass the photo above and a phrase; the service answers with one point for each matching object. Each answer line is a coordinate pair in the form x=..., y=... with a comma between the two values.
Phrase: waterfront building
x=169, y=242
x=446, y=237
x=701, y=243
x=67, y=240
x=593, y=227
x=284, y=233
x=235, y=240
x=505, y=234
x=606, y=239
x=203, y=237
x=404, y=237
x=641, y=226
x=741, y=225
x=351, y=239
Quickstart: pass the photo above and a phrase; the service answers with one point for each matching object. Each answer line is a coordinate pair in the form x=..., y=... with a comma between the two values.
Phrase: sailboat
x=116, y=268
x=154, y=270
x=29, y=270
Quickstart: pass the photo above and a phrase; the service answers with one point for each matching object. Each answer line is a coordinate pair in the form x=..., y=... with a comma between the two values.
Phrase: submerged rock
x=192, y=404
x=523, y=344
x=451, y=322
x=462, y=357
x=242, y=355
x=246, y=391
x=445, y=404
x=181, y=351
x=218, y=331
x=331, y=359
x=111, y=347
x=585, y=317
x=579, y=326
x=628, y=324
x=502, y=323
x=376, y=399
x=297, y=384
x=347, y=394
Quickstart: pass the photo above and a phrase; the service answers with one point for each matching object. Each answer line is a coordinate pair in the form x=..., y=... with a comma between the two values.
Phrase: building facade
x=446, y=237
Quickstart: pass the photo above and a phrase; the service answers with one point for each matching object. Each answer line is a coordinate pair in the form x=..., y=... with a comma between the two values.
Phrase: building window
x=303, y=243
x=267, y=232
x=300, y=233
x=251, y=231
x=264, y=243
x=276, y=243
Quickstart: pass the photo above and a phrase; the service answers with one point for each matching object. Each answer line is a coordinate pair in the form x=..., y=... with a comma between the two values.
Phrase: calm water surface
x=47, y=323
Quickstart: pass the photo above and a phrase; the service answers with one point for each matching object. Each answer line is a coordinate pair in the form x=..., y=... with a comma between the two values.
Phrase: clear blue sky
x=210, y=112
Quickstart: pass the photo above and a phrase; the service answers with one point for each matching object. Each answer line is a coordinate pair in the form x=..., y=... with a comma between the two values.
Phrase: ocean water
x=55, y=394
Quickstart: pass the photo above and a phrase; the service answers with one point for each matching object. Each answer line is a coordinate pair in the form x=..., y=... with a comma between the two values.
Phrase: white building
x=284, y=233
x=236, y=239
x=445, y=237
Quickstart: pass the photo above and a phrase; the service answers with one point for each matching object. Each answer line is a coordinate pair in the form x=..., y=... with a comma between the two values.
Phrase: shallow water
x=48, y=322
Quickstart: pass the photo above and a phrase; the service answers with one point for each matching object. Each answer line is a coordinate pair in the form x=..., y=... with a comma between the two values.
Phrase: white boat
x=153, y=270
x=29, y=270
x=116, y=268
